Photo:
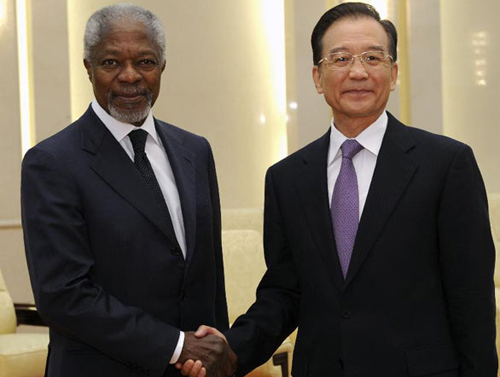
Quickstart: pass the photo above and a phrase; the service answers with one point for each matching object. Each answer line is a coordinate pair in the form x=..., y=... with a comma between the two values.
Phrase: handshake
x=206, y=353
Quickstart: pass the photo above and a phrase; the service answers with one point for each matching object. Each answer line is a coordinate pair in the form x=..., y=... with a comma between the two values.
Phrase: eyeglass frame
x=360, y=56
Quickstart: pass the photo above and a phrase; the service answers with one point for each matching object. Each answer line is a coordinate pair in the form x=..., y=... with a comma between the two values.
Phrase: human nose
x=129, y=74
x=357, y=68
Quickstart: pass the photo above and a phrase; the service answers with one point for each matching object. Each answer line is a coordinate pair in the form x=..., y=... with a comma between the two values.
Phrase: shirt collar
x=120, y=129
x=371, y=138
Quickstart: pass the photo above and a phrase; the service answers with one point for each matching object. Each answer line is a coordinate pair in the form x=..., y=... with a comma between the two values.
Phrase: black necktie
x=141, y=161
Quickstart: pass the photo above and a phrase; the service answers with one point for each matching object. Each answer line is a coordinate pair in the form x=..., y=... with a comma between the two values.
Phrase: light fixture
x=273, y=17
x=480, y=43
x=25, y=93
x=3, y=13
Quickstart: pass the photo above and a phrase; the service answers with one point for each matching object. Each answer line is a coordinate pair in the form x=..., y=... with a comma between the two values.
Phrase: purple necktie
x=345, y=204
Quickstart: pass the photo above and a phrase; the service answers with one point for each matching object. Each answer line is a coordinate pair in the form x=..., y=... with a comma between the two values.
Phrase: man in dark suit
x=121, y=220
x=397, y=281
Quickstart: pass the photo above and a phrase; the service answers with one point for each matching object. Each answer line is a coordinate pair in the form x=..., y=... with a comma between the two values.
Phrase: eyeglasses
x=343, y=60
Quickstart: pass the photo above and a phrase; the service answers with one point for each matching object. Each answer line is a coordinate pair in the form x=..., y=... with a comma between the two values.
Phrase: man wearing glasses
x=377, y=238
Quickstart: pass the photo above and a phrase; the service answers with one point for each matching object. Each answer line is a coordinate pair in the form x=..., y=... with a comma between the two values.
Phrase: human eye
x=147, y=63
x=109, y=63
x=373, y=57
x=340, y=59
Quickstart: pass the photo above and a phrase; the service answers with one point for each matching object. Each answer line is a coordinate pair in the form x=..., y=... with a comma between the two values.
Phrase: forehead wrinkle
x=117, y=51
x=111, y=45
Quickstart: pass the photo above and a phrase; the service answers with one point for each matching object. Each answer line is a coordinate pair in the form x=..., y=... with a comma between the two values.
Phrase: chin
x=361, y=110
x=129, y=116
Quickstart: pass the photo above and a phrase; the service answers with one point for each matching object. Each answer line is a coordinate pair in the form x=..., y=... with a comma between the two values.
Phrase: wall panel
x=471, y=80
x=11, y=253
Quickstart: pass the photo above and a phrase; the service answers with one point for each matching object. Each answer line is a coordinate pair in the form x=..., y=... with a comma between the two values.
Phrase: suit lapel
x=392, y=175
x=182, y=162
x=113, y=165
x=312, y=186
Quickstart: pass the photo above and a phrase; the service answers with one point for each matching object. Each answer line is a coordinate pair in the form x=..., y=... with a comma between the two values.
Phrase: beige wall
x=12, y=260
x=50, y=67
x=471, y=80
x=230, y=64
x=425, y=83
x=311, y=118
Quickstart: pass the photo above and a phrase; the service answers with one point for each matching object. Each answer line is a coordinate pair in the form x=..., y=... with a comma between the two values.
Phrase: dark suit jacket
x=418, y=298
x=106, y=274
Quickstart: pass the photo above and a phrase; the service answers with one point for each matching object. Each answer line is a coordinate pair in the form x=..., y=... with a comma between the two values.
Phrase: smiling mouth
x=357, y=91
x=357, y=94
x=128, y=99
x=131, y=100
x=129, y=96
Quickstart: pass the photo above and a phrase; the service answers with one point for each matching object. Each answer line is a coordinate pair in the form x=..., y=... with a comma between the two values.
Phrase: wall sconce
x=479, y=46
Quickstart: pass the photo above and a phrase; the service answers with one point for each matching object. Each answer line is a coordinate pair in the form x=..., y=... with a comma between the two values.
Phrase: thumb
x=207, y=330
x=204, y=331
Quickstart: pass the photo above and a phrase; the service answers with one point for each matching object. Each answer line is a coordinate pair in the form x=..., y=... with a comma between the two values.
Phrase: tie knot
x=138, y=139
x=350, y=148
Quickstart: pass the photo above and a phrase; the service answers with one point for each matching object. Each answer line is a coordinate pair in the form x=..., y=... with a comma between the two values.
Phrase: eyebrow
x=369, y=48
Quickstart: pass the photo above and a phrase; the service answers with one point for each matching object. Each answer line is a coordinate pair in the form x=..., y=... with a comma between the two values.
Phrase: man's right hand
x=212, y=354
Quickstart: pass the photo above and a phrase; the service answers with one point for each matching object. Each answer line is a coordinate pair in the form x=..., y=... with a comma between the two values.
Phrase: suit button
x=175, y=251
x=346, y=313
x=183, y=296
x=341, y=364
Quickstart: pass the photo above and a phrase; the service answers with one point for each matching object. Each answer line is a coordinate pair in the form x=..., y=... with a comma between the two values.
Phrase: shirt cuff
x=178, y=349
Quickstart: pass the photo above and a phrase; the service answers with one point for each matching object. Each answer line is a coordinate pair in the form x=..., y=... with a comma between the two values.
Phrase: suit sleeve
x=258, y=333
x=467, y=258
x=221, y=313
x=60, y=261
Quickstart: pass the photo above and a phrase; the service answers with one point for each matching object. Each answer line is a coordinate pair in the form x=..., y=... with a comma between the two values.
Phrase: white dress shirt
x=158, y=158
x=364, y=162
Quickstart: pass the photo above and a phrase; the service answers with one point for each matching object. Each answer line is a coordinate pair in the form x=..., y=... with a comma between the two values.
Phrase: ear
x=316, y=73
x=88, y=67
x=394, y=75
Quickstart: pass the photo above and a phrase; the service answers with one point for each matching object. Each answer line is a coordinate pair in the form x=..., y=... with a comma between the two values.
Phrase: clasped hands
x=206, y=353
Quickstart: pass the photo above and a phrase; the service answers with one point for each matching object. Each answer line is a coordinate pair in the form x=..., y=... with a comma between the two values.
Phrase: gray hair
x=102, y=20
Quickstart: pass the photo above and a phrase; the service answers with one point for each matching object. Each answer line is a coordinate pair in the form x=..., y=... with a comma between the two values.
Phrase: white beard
x=130, y=116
